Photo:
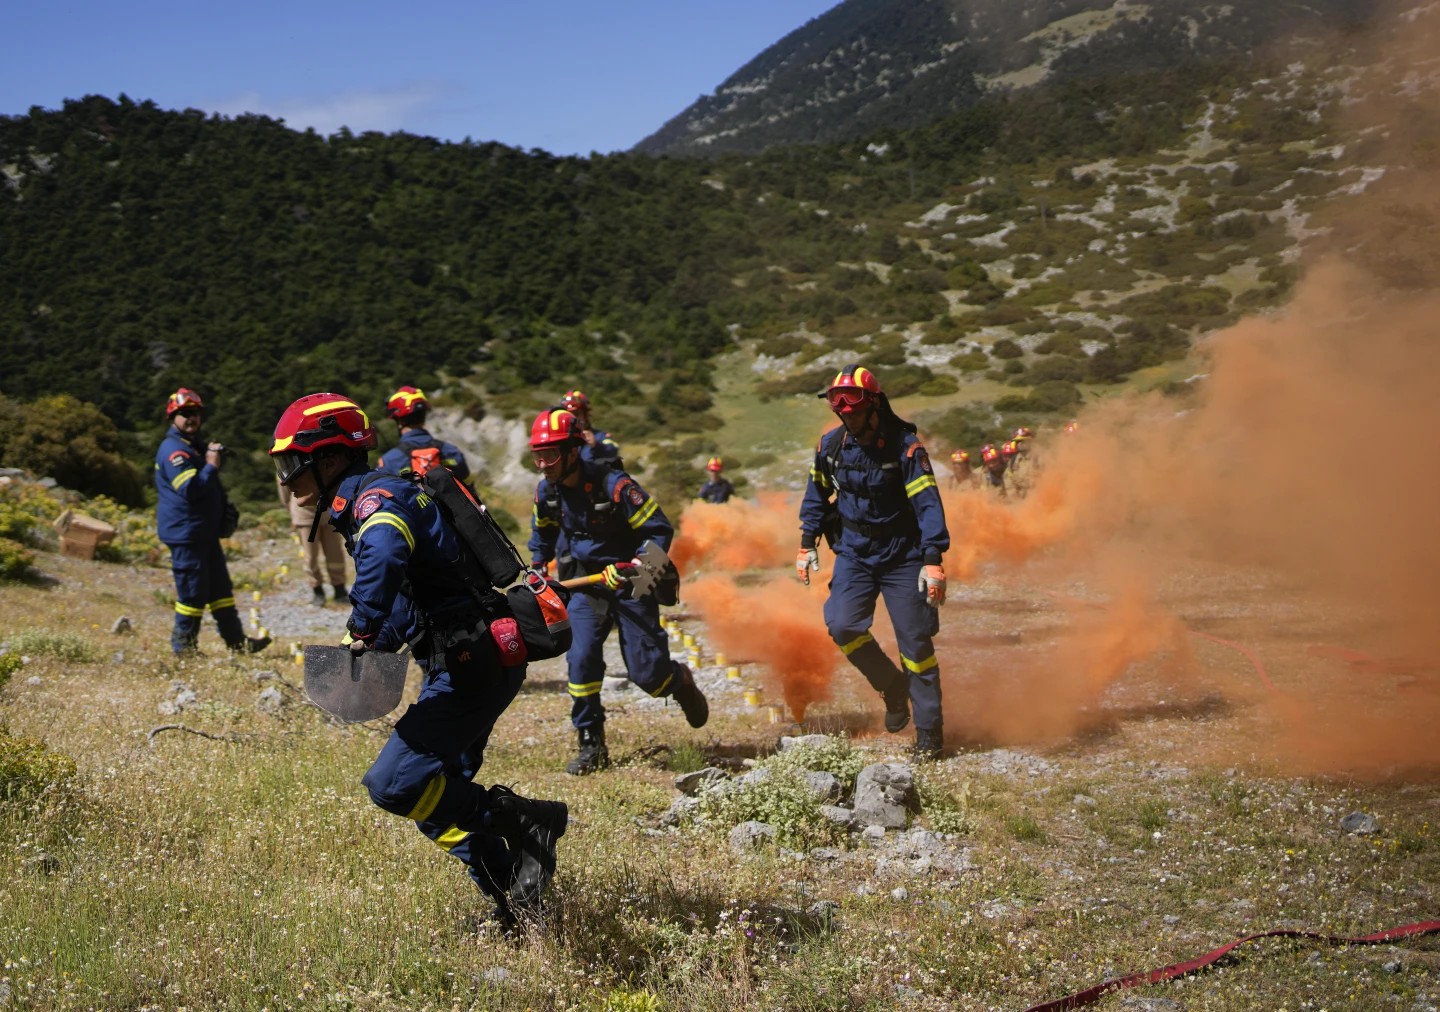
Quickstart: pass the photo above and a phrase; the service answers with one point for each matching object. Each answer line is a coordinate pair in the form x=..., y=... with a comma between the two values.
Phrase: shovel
x=354, y=688
x=652, y=563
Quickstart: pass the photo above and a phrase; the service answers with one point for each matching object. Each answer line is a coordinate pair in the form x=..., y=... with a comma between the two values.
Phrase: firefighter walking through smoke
x=1020, y=472
x=410, y=588
x=595, y=518
x=891, y=539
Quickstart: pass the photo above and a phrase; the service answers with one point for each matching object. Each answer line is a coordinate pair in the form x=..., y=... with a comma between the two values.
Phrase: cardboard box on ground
x=81, y=534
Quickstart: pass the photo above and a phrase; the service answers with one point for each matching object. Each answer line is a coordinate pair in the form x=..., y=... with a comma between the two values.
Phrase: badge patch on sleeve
x=179, y=457
x=636, y=497
x=923, y=459
x=367, y=504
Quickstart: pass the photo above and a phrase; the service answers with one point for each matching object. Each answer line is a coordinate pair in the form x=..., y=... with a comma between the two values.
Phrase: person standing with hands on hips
x=891, y=539
x=192, y=514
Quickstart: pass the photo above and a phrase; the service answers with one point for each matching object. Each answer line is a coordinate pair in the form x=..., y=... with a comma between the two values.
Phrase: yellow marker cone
x=752, y=698
x=255, y=595
x=688, y=639
x=720, y=660
x=732, y=673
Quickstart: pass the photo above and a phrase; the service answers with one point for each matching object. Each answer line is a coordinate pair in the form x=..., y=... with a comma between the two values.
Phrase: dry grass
x=252, y=872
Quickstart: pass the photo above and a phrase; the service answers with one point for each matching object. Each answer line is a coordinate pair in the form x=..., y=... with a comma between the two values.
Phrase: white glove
x=807, y=560
x=932, y=585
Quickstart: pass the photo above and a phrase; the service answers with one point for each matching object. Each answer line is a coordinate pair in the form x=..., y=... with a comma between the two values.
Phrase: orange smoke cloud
x=737, y=535
x=779, y=625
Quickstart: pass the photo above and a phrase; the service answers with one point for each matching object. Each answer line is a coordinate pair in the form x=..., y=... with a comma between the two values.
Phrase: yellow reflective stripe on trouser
x=665, y=685
x=189, y=609
x=919, y=667
x=859, y=641
x=224, y=602
x=644, y=513
x=451, y=838
x=581, y=689
x=920, y=484
x=428, y=800
x=393, y=521
x=183, y=477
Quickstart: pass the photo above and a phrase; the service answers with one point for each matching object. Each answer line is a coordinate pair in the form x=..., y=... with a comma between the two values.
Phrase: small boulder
x=694, y=783
x=750, y=835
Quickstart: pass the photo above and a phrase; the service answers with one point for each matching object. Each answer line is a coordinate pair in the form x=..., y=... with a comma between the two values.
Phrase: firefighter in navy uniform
x=891, y=538
x=409, y=588
x=418, y=450
x=597, y=446
x=191, y=518
x=601, y=517
x=716, y=489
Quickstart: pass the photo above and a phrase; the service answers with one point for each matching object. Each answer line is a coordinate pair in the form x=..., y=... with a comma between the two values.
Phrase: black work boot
x=531, y=828
x=688, y=695
x=341, y=594
x=897, y=708
x=317, y=596
x=928, y=744
x=249, y=645
x=593, y=754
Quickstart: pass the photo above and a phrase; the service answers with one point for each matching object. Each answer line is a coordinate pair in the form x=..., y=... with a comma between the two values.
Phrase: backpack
x=423, y=458
x=490, y=562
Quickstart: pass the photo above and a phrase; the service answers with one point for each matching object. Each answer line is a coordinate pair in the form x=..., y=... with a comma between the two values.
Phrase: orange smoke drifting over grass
x=779, y=625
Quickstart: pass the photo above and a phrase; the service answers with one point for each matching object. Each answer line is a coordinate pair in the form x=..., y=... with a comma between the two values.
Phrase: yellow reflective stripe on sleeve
x=428, y=800
x=451, y=838
x=585, y=689
x=859, y=641
x=392, y=520
x=448, y=461
x=644, y=513
x=919, y=667
x=819, y=477
x=187, y=609
x=920, y=484
x=183, y=477
x=541, y=521
x=222, y=603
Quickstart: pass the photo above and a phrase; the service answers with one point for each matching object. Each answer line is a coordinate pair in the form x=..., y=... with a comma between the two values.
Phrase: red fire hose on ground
x=1174, y=970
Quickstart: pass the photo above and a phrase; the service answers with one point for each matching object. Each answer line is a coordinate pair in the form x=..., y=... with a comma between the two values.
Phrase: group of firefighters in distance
x=1008, y=469
x=871, y=496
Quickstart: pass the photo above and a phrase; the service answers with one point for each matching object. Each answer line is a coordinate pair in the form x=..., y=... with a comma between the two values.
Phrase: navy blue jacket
x=407, y=559
x=397, y=458
x=605, y=450
x=595, y=533
x=191, y=500
x=716, y=490
x=886, y=493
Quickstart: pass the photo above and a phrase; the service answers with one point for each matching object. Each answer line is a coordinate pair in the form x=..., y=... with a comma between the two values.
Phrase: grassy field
x=246, y=868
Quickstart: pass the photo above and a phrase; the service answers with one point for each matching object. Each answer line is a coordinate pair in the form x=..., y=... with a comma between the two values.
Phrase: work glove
x=358, y=642
x=806, y=561
x=932, y=585
x=618, y=572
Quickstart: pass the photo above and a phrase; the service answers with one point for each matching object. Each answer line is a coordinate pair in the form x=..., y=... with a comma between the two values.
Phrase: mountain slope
x=871, y=64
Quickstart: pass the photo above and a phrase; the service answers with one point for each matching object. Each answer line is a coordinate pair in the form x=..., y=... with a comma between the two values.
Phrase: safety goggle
x=852, y=398
x=546, y=458
x=289, y=465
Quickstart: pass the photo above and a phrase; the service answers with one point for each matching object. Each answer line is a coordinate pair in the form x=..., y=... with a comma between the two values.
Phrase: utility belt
x=907, y=527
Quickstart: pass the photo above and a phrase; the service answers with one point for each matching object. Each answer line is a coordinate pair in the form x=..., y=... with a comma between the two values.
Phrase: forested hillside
x=1003, y=260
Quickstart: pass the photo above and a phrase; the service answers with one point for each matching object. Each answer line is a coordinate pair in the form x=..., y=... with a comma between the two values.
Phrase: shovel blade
x=354, y=689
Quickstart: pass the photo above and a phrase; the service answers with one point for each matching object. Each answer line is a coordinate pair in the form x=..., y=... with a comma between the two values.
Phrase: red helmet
x=714, y=464
x=556, y=428
x=183, y=398
x=960, y=456
x=405, y=402
x=1008, y=449
x=988, y=452
x=854, y=388
x=1024, y=432
x=1072, y=426
x=575, y=401
x=314, y=421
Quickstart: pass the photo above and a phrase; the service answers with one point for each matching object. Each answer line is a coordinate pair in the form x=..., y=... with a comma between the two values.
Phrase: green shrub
x=783, y=799
x=15, y=558
x=1006, y=348
x=27, y=767
x=971, y=361
x=9, y=664
x=62, y=646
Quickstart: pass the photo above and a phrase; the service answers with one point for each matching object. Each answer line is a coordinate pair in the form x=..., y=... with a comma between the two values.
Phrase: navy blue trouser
x=202, y=579
x=643, y=644
x=426, y=770
x=850, y=611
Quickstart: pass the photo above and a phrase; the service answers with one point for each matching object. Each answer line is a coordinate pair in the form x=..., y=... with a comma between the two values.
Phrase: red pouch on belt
x=506, y=634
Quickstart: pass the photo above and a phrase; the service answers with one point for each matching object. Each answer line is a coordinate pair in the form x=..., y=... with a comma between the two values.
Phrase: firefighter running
x=890, y=542
x=409, y=589
x=593, y=518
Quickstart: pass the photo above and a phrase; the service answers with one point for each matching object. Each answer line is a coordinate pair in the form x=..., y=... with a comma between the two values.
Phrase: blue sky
x=568, y=76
